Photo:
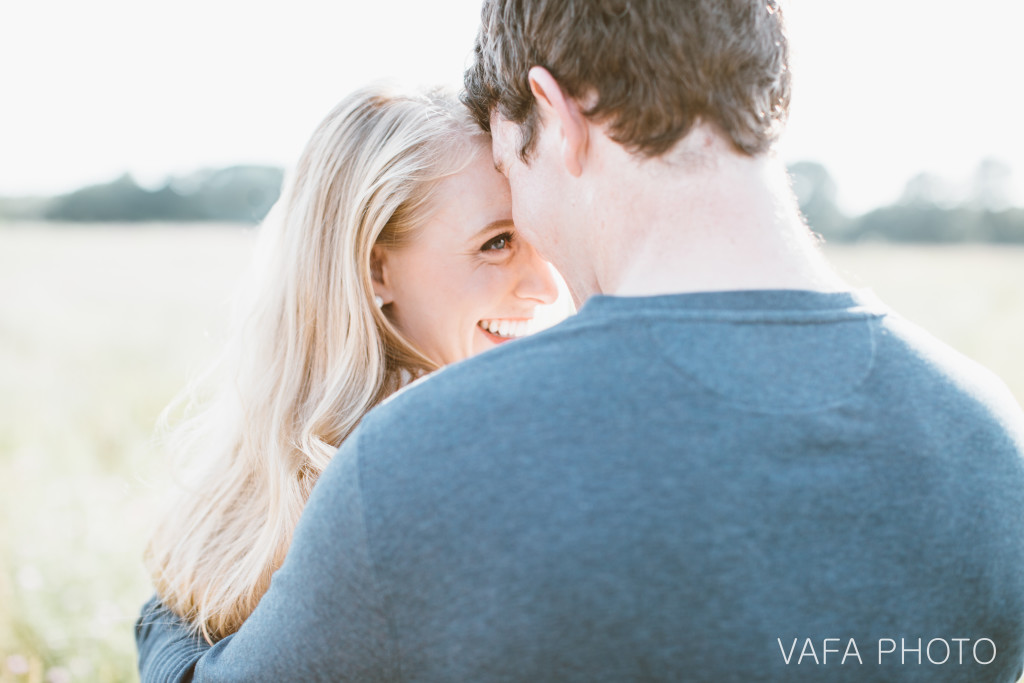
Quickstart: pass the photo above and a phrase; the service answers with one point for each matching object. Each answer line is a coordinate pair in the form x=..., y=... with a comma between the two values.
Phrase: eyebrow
x=494, y=225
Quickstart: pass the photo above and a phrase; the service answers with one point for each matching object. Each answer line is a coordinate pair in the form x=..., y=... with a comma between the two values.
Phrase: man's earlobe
x=568, y=115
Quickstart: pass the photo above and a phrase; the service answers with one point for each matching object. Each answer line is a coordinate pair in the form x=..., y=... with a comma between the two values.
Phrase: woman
x=391, y=253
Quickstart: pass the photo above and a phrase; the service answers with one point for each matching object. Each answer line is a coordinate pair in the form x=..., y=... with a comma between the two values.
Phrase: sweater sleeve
x=323, y=618
x=168, y=650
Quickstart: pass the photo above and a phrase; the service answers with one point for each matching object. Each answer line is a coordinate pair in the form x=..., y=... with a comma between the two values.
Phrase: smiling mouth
x=506, y=330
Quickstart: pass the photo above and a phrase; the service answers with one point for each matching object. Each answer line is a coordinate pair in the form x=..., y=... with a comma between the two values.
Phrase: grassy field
x=100, y=326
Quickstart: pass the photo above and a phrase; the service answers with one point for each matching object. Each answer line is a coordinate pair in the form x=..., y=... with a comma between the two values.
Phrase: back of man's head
x=647, y=69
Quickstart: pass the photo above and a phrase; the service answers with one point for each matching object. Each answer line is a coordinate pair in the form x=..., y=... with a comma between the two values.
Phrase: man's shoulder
x=952, y=373
x=509, y=368
x=517, y=380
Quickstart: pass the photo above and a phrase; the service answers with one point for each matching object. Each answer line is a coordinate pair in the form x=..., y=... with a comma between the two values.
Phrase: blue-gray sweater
x=733, y=486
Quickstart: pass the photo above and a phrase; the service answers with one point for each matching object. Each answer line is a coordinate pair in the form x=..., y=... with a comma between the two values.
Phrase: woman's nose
x=536, y=280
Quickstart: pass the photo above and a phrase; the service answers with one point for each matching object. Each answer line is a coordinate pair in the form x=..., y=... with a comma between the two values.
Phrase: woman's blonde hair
x=310, y=352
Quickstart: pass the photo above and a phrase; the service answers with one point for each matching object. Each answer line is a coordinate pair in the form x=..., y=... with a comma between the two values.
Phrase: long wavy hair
x=309, y=353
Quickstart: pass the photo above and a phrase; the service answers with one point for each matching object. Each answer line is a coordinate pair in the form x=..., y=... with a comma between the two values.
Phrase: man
x=726, y=467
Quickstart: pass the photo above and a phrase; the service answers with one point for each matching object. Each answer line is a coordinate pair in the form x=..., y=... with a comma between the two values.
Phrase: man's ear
x=566, y=111
x=379, y=274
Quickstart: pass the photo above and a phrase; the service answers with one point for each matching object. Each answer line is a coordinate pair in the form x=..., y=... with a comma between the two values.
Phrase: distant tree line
x=241, y=194
x=923, y=214
x=245, y=194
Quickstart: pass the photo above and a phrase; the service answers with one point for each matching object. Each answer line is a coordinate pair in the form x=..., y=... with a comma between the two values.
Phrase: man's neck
x=723, y=222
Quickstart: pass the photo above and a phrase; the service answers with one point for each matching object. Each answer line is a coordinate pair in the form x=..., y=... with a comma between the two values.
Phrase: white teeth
x=510, y=329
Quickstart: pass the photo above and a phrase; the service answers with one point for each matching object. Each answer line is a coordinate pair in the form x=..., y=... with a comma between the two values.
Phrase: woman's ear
x=379, y=274
x=567, y=113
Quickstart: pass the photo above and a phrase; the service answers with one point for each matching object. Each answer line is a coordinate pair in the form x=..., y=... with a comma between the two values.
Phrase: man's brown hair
x=656, y=67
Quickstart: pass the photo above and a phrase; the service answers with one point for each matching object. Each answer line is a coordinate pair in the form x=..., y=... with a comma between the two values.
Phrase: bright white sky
x=885, y=89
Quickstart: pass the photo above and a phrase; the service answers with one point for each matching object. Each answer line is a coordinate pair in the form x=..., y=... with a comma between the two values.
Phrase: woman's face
x=466, y=282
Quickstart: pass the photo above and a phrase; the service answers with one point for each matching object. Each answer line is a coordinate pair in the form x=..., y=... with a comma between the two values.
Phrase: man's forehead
x=499, y=166
x=501, y=135
x=496, y=118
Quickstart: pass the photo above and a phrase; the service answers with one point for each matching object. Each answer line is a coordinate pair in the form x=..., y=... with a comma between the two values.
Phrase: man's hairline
x=493, y=115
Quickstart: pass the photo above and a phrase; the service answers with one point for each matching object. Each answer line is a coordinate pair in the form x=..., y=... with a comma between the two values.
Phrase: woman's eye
x=498, y=243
